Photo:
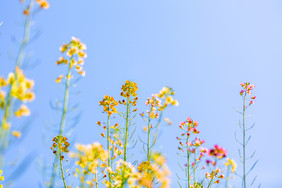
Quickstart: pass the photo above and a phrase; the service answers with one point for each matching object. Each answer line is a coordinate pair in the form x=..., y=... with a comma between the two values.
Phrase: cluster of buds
x=109, y=105
x=217, y=152
x=247, y=90
x=129, y=90
x=152, y=103
x=43, y=4
x=215, y=174
x=60, y=146
x=166, y=94
x=124, y=173
x=189, y=126
x=76, y=55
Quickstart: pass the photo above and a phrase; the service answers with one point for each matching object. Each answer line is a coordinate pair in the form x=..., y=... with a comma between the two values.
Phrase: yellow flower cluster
x=215, y=174
x=129, y=89
x=60, y=143
x=124, y=172
x=166, y=94
x=153, y=102
x=231, y=163
x=88, y=156
x=76, y=55
x=21, y=89
x=109, y=104
x=157, y=170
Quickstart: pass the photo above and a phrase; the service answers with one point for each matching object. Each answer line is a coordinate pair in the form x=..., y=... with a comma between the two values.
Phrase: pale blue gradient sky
x=203, y=49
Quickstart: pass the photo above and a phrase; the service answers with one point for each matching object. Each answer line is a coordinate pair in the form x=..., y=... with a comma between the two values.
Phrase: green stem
x=148, y=146
x=244, y=142
x=96, y=181
x=26, y=35
x=108, y=147
x=126, y=129
x=210, y=183
x=63, y=120
x=61, y=165
x=188, y=162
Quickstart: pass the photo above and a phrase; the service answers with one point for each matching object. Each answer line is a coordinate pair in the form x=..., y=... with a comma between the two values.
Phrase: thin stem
x=61, y=164
x=188, y=162
x=63, y=120
x=26, y=35
x=96, y=181
x=126, y=128
x=148, y=140
x=210, y=183
x=244, y=142
x=108, y=147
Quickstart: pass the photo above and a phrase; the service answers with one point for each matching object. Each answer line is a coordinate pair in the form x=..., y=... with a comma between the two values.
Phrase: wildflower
x=22, y=111
x=60, y=143
x=76, y=55
x=129, y=89
x=16, y=134
x=109, y=104
x=217, y=152
x=231, y=163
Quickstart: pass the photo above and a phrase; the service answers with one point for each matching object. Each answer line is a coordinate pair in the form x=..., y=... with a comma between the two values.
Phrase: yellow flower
x=22, y=111
x=2, y=82
x=59, y=79
x=231, y=163
x=7, y=126
x=16, y=134
x=43, y=4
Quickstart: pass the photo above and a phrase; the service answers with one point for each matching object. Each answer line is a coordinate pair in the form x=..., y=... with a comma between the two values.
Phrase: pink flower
x=241, y=92
x=254, y=97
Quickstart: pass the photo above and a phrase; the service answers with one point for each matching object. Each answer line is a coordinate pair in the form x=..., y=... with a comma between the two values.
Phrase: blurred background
x=202, y=49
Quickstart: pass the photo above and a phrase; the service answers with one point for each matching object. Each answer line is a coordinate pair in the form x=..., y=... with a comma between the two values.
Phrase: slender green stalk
x=96, y=181
x=126, y=128
x=210, y=183
x=63, y=120
x=61, y=165
x=244, y=142
x=194, y=170
x=19, y=59
x=188, y=162
x=66, y=100
x=148, y=140
x=108, y=147
x=26, y=35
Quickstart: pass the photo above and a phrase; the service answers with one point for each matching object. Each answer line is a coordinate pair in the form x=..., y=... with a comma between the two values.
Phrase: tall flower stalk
x=248, y=100
x=130, y=99
x=109, y=104
x=14, y=82
x=75, y=60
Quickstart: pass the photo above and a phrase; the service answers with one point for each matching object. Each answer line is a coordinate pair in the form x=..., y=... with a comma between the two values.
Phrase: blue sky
x=202, y=49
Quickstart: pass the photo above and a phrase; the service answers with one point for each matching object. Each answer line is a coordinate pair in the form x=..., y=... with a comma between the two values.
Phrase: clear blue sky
x=203, y=49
